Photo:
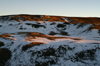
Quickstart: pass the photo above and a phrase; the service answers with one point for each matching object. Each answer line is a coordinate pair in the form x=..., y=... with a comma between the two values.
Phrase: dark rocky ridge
x=26, y=17
x=74, y=20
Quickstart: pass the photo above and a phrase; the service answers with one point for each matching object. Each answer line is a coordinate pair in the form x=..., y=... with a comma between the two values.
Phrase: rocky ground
x=51, y=42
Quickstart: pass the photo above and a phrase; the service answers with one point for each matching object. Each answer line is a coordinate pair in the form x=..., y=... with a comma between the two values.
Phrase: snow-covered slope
x=48, y=43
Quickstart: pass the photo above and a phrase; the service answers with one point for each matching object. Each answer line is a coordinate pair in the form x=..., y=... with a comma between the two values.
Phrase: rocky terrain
x=43, y=40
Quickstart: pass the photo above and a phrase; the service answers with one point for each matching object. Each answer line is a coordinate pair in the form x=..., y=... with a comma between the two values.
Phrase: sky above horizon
x=73, y=8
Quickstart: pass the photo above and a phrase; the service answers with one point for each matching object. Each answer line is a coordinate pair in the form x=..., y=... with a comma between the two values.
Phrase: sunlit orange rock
x=35, y=43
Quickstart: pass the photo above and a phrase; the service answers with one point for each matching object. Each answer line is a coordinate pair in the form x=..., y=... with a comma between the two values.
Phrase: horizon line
x=50, y=15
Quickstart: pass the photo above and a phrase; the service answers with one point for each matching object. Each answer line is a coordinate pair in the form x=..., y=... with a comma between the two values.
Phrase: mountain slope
x=41, y=40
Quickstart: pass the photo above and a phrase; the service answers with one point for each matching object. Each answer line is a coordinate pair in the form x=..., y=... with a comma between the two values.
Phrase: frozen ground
x=42, y=43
